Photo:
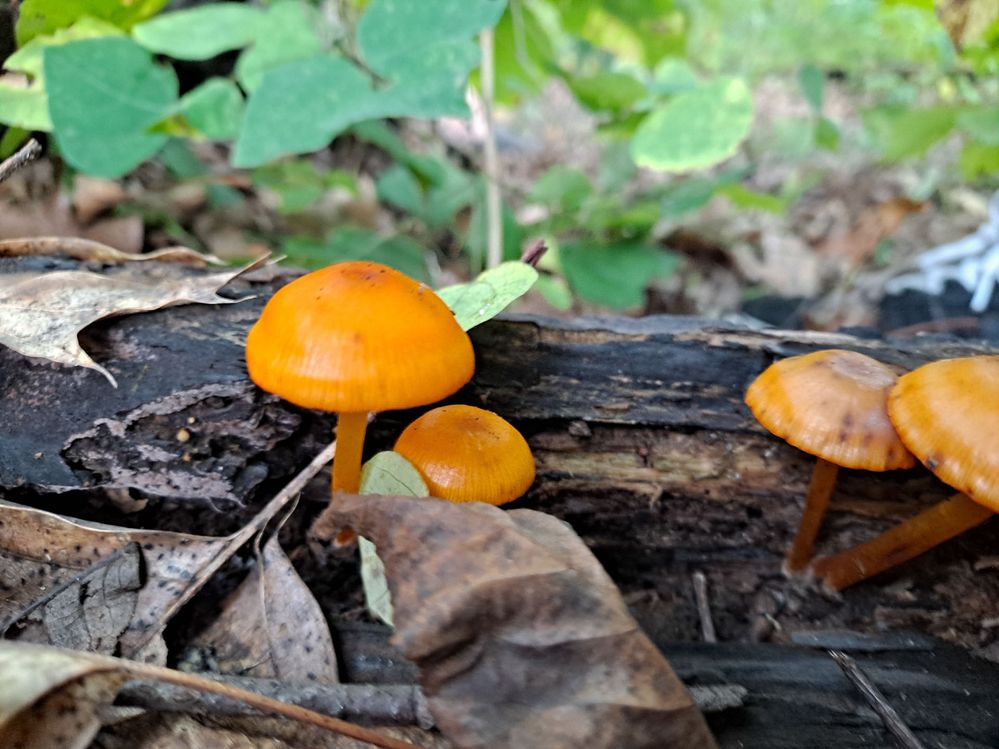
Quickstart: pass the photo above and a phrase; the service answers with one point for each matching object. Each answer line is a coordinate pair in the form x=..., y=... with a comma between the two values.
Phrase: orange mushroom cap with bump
x=947, y=414
x=358, y=336
x=831, y=404
x=467, y=454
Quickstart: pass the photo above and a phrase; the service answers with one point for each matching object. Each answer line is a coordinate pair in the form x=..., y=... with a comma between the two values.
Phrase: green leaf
x=981, y=123
x=101, y=134
x=386, y=473
x=901, y=133
x=28, y=59
x=555, y=291
x=812, y=82
x=288, y=33
x=178, y=157
x=297, y=183
x=348, y=243
x=742, y=197
x=978, y=160
x=673, y=75
x=449, y=191
x=561, y=188
x=490, y=293
x=614, y=275
x=607, y=90
x=826, y=134
x=393, y=34
x=301, y=107
x=37, y=17
x=203, y=32
x=432, y=85
x=23, y=106
x=696, y=129
x=523, y=53
x=693, y=193
x=215, y=109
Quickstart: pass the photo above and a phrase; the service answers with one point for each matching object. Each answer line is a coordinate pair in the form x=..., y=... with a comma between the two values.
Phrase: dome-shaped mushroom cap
x=467, y=454
x=358, y=336
x=831, y=404
x=947, y=414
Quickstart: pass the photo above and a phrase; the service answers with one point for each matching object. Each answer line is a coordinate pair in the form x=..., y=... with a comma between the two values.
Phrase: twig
x=704, y=607
x=533, y=254
x=893, y=721
x=494, y=222
x=262, y=703
x=382, y=704
x=28, y=152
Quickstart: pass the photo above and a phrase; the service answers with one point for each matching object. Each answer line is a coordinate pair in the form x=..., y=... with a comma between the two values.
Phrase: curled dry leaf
x=520, y=636
x=89, y=250
x=42, y=316
x=272, y=626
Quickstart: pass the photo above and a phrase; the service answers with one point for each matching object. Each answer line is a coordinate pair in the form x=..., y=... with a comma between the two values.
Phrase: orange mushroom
x=947, y=414
x=831, y=404
x=357, y=337
x=467, y=454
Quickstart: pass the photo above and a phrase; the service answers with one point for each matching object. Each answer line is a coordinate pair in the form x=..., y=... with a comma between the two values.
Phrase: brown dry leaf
x=94, y=195
x=89, y=611
x=520, y=636
x=54, y=217
x=856, y=246
x=79, y=248
x=50, y=699
x=42, y=551
x=42, y=316
x=272, y=627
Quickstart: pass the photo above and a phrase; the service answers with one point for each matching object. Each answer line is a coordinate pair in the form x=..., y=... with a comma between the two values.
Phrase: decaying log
x=638, y=426
x=796, y=696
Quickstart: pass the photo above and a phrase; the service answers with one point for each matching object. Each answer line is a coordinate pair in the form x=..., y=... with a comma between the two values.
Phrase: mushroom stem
x=350, y=429
x=929, y=528
x=816, y=501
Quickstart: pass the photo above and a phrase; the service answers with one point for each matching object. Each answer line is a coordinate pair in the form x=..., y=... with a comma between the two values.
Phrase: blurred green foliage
x=669, y=82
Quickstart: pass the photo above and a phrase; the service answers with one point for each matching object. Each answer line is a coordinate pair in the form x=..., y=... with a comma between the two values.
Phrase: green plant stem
x=494, y=207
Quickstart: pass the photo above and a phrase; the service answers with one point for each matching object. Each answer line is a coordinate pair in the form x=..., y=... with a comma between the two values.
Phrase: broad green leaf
x=696, y=129
x=103, y=96
x=742, y=197
x=673, y=75
x=812, y=82
x=555, y=291
x=693, y=193
x=393, y=34
x=432, y=85
x=24, y=106
x=379, y=134
x=826, y=134
x=203, y=32
x=288, y=33
x=398, y=187
x=978, y=160
x=523, y=53
x=180, y=159
x=37, y=17
x=215, y=108
x=348, y=243
x=490, y=293
x=301, y=107
x=386, y=473
x=561, y=188
x=28, y=59
x=981, y=123
x=614, y=275
x=903, y=132
x=450, y=189
x=607, y=90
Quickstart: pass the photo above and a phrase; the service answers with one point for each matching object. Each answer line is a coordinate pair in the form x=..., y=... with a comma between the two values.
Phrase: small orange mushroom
x=468, y=454
x=947, y=414
x=357, y=337
x=831, y=404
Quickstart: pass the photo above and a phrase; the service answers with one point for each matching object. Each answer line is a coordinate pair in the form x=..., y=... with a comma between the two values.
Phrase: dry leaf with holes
x=520, y=636
x=41, y=317
x=272, y=626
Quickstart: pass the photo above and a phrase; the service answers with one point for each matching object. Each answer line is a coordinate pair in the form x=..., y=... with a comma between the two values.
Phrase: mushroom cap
x=831, y=404
x=947, y=414
x=467, y=454
x=358, y=336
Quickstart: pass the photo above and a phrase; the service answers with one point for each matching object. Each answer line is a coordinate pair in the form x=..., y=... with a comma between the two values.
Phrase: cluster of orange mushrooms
x=852, y=411
x=358, y=337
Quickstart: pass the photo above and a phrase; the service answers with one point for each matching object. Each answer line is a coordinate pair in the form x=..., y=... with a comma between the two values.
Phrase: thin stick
x=704, y=607
x=903, y=735
x=264, y=704
x=28, y=152
x=494, y=222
